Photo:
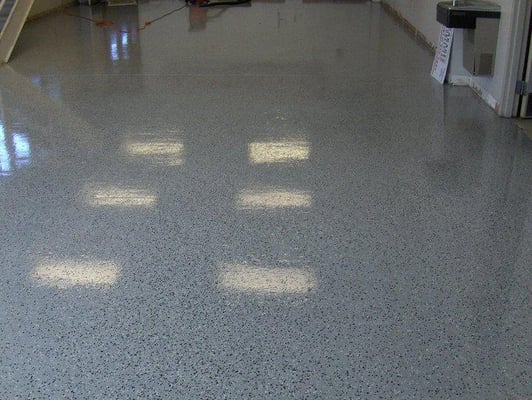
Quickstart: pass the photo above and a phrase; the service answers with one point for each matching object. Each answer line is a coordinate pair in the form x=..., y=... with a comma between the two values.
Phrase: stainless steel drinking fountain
x=480, y=21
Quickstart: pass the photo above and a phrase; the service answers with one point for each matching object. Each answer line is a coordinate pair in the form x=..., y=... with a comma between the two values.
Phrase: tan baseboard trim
x=418, y=36
x=525, y=125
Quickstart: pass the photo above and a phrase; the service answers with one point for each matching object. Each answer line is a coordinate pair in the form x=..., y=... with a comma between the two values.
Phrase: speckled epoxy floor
x=266, y=202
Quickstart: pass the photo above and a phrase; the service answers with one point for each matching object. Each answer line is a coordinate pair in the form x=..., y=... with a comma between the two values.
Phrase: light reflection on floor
x=262, y=280
x=5, y=157
x=278, y=152
x=389, y=278
x=15, y=151
x=160, y=151
x=273, y=199
x=119, y=197
x=71, y=273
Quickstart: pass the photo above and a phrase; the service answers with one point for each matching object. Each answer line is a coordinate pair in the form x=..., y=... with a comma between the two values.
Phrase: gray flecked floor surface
x=264, y=202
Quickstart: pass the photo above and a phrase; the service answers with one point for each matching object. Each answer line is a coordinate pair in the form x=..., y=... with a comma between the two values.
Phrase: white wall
x=421, y=14
x=494, y=90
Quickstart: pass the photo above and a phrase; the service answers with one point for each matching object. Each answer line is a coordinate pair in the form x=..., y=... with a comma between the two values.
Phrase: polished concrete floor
x=264, y=202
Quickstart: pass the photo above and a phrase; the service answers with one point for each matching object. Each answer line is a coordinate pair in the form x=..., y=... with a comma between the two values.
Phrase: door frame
x=526, y=75
x=518, y=61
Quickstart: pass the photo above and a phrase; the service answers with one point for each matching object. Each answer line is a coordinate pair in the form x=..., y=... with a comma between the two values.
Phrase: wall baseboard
x=487, y=97
x=469, y=81
x=418, y=36
x=459, y=80
x=51, y=10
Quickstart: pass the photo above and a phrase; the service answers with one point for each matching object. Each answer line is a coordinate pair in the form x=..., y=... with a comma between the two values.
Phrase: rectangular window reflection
x=72, y=273
x=244, y=278
x=114, y=47
x=278, y=152
x=273, y=199
x=21, y=145
x=15, y=151
x=5, y=158
x=119, y=197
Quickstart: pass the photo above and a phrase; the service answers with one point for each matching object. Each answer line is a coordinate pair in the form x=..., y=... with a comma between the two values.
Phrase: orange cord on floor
x=103, y=23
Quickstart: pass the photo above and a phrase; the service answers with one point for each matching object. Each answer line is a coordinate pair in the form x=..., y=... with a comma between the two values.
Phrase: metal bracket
x=523, y=88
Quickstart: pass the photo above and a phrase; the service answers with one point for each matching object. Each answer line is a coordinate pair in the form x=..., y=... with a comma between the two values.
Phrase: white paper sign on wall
x=443, y=54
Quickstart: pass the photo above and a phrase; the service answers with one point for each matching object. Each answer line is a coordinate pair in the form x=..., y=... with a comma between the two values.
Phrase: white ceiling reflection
x=163, y=151
x=119, y=196
x=262, y=280
x=49, y=84
x=273, y=199
x=278, y=152
x=71, y=273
